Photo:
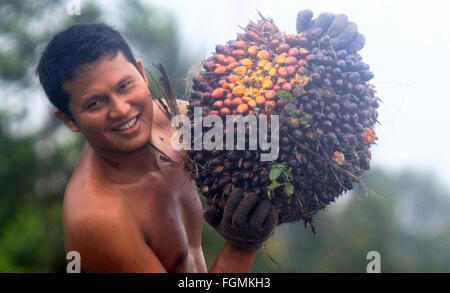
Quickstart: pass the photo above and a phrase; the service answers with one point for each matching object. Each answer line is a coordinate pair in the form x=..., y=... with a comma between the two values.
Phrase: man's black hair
x=72, y=48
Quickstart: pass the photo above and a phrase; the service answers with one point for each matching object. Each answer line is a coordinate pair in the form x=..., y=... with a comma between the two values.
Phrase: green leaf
x=276, y=170
x=271, y=187
x=285, y=95
x=287, y=175
x=305, y=120
x=275, y=173
x=288, y=189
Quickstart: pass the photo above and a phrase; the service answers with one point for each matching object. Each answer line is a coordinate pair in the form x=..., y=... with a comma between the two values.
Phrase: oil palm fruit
x=326, y=105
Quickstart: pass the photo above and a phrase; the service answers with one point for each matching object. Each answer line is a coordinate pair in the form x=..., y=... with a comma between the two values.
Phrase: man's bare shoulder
x=99, y=227
x=90, y=205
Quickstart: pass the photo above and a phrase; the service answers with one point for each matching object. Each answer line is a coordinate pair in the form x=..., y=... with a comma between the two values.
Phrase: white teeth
x=127, y=125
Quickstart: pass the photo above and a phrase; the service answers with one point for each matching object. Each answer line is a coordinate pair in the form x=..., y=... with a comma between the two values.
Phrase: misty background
x=407, y=45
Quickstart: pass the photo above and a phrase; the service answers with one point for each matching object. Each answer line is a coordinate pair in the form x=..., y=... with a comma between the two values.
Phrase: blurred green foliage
x=408, y=224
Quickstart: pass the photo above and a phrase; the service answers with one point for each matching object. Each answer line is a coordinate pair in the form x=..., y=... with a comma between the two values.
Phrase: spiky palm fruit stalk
x=327, y=113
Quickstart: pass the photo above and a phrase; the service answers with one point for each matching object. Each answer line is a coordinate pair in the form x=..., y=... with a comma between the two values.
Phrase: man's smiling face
x=110, y=104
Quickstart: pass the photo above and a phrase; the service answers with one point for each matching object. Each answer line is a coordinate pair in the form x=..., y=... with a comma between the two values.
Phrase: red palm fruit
x=292, y=40
x=282, y=48
x=301, y=62
x=291, y=60
x=246, y=62
x=239, y=53
x=293, y=52
x=228, y=103
x=223, y=83
x=286, y=86
x=227, y=51
x=267, y=84
x=282, y=71
x=220, y=49
x=275, y=43
x=238, y=91
x=242, y=45
x=220, y=58
x=270, y=94
x=229, y=96
x=269, y=27
x=276, y=87
x=198, y=79
x=251, y=111
x=218, y=105
x=253, y=50
x=260, y=100
x=225, y=111
x=290, y=69
x=242, y=109
x=281, y=81
x=232, y=78
x=281, y=59
x=220, y=70
x=263, y=55
x=236, y=102
x=218, y=93
x=232, y=66
x=230, y=59
x=252, y=35
x=214, y=112
x=210, y=65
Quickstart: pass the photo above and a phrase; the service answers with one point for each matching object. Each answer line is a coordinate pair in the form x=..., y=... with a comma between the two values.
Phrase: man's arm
x=108, y=242
x=232, y=259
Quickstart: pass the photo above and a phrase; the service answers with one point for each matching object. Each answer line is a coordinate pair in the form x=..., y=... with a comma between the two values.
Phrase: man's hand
x=343, y=33
x=246, y=221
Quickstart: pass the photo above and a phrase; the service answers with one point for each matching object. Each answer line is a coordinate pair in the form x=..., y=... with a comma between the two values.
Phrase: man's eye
x=94, y=104
x=125, y=85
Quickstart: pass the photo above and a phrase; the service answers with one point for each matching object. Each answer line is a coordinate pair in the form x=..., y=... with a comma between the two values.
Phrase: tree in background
x=407, y=223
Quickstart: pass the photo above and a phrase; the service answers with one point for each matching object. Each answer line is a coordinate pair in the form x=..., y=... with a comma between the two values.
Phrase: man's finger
x=304, y=20
x=212, y=215
x=259, y=215
x=349, y=33
x=242, y=212
x=232, y=202
x=357, y=43
x=272, y=220
x=324, y=20
x=338, y=25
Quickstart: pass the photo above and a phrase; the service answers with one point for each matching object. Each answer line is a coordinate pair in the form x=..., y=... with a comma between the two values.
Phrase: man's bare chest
x=169, y=216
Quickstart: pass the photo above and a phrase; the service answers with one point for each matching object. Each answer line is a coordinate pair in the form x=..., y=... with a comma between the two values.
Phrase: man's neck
x=126, y=167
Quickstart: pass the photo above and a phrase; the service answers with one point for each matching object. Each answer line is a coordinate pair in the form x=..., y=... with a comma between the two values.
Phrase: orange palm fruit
x=218, y=93
x=260, y=100
x=242, y=109
x=263, y=54
x=253, y=50
x=246, y=62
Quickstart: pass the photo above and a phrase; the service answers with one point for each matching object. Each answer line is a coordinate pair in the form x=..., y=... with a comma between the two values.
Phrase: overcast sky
x=408, y=49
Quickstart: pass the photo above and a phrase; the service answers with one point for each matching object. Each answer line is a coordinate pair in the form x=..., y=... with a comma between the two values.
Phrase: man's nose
x=120, y=107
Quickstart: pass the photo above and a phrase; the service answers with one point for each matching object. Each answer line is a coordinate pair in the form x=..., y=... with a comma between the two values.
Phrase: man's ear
x=141, y=69
x=68, y=122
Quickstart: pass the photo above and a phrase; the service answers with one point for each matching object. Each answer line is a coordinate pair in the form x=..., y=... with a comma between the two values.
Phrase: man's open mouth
x=128, y=124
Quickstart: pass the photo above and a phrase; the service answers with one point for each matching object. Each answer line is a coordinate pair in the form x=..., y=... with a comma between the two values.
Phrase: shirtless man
x=125, y=209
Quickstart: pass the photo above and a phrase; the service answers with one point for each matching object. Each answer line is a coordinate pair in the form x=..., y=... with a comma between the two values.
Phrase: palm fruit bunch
x=318, y=85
